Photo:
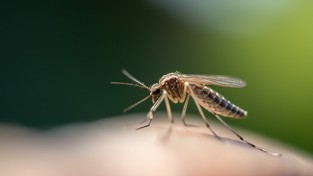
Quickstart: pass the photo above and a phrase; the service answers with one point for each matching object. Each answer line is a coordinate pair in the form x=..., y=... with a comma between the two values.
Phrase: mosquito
x=179, y=87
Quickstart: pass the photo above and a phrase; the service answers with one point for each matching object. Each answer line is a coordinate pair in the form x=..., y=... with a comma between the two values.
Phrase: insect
x=179, y=87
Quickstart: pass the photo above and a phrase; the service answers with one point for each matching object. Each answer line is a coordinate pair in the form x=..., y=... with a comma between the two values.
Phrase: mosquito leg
x=232, y=130
x=183, y=115
x=204, y=119
x=186, y=99
x=152, y=109
x=242, y=139
x=144, y=121
x=168, y=107
x=144, y=126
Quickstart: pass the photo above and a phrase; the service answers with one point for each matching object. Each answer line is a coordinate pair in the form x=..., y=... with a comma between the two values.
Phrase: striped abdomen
x=214, y=102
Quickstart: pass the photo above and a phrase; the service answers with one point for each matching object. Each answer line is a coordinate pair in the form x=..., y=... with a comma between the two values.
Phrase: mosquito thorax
x=168, y=77
x=171, y=82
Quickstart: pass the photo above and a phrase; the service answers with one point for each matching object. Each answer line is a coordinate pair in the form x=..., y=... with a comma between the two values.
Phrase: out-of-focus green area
x=58, y=59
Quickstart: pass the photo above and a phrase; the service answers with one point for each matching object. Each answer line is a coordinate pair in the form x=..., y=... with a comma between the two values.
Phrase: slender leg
x=144, y=126
x=152, y=109
x=168, y=107
x=183, y=115
x=242, y=139
x=204, y=119
x=186, y=99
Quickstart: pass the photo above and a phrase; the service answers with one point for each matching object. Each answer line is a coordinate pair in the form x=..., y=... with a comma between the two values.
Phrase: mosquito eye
x=156, y=91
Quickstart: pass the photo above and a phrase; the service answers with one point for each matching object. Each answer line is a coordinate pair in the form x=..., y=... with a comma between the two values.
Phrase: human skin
x=113, y=147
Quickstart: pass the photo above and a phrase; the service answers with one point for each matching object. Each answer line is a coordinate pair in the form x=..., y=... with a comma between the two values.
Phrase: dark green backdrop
x=58, y=58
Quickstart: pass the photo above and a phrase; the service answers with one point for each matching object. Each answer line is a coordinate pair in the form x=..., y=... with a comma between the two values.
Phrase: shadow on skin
x=113, y=147
x=166, y=137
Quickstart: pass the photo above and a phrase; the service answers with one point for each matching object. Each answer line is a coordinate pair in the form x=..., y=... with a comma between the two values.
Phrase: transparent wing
x=216, y=80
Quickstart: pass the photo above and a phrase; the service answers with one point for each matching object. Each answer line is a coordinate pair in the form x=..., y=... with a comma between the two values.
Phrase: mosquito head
x=155, y=92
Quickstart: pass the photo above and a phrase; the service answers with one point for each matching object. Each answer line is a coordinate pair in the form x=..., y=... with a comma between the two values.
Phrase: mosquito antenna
x=135, y=104
x=129, y=84
x=134, y=79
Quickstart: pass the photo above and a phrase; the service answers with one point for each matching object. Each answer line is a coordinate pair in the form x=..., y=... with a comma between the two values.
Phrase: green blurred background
x=58, y=59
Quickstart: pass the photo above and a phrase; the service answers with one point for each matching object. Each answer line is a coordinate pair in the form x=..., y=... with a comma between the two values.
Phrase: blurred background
x=59, y=57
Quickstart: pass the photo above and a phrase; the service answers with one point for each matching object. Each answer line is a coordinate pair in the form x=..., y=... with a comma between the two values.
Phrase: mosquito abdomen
x=214, y=102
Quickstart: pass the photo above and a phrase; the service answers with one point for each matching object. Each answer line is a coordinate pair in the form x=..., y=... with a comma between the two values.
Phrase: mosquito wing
x=216, y=80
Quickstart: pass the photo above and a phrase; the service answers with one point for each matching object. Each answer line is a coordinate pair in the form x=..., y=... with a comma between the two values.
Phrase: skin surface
x=113, y=147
